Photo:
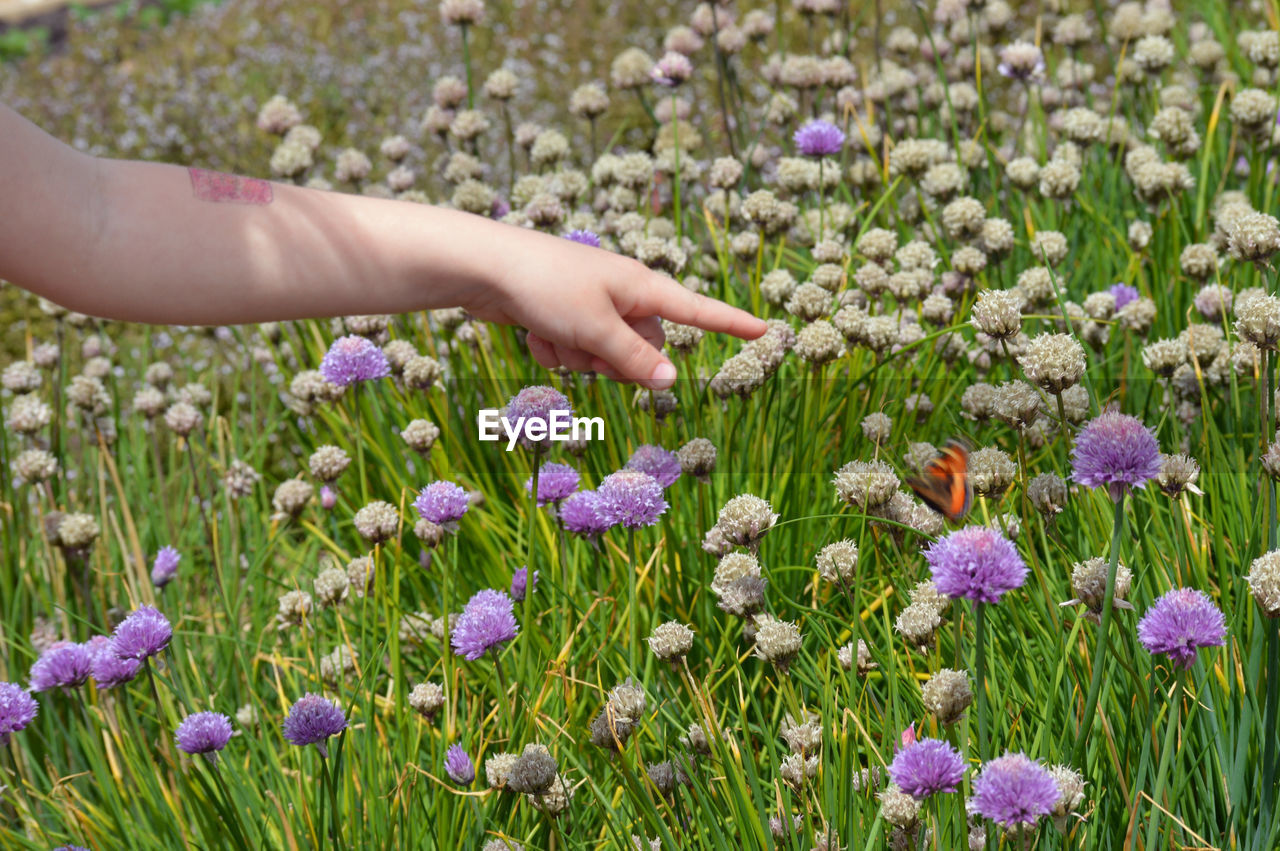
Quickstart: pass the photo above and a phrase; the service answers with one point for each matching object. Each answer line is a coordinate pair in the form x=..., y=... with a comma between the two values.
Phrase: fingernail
x=664, y=375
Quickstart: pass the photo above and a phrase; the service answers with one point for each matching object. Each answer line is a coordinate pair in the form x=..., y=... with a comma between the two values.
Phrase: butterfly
x=944, y=482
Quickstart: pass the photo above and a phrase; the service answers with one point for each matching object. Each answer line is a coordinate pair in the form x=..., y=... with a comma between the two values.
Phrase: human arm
x=148, y=242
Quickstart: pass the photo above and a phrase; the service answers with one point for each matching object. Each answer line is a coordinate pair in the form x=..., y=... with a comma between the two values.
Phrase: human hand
x=590, y=309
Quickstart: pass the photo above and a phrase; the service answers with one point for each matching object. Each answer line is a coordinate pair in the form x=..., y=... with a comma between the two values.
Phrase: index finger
x=668, y=299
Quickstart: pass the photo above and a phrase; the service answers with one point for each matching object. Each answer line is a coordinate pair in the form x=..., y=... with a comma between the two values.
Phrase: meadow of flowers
x=263, y=587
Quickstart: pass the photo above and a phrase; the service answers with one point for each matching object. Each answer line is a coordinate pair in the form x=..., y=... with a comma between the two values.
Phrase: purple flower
x=458, y=765
x=1124, y=294
x=555, y=483
x=487, y=620
x=657, y=462
x=499, y=208
x=328, y=498
x=580, y=515
x=71, y=848
x=64, y=665
x=203, y=732
x=520, y=583
x=312, y=720
x=977, y=563
x=142, y=634
x=583, y=237
x=109, y=670
x=672, y=69
x=630, y=498
x=442, y=503
x=17, y=709
x=353, y=358
x=926, y=766
x=819, y=139
x=1115, y=450
x=1014, y=789
x=165, y=566
x=532, y=405
x=1181, y=622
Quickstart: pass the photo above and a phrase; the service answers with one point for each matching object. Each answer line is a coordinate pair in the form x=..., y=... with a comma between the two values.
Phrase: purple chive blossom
x=555, y=483
x=500, y=207
x=657, y=462
x=819, y=139
x=203, y=732
x=142, y=634
x=1181, y=622
x=328, y=498
x=109, y=670
x=312, y=720
x=532, y=408
x=458, y=765
x=580, y=515
x=165, y=566
x=926, y=766
x=442, y=503
x=64, y=665
x=671, y=70
x=17, y=709
x=353, y=358
x=1117, y=451
x=583, y=237
x=487, y=621
x=1014, y=789
x=977, y=563
x=71, y=848
x=630, y=498
x=1123, y=293
x=520, y=583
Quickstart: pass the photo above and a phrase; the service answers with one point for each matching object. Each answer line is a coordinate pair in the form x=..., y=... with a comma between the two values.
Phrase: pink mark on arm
x=222, y=188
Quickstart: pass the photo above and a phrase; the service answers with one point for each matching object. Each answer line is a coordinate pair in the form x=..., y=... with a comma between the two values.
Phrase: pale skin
x=165, y=244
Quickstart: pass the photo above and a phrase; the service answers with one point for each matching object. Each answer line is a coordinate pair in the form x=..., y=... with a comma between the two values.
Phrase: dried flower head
x=671, y=641
x=947, y=695
x=777, y=641
x=426, y=699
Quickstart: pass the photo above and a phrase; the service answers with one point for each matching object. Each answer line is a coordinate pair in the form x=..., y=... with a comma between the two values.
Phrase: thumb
x=633, y=357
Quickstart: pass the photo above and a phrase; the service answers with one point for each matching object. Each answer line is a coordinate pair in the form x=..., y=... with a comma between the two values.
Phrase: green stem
x=822, y=204
x=230, y=807
x=466, y=61
x=324, y=796
x=980, y=674
x=1268, y=432
x=1272, y=627
x=675, y=176
x=355, y=414
x=1272, y=705
x=1100, y=651
x=502, y=698
x=1166, y=758
x=526, y=605
x=632, y=612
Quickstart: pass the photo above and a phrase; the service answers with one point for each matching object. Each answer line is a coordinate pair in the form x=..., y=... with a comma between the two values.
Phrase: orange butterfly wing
x=944, y=482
